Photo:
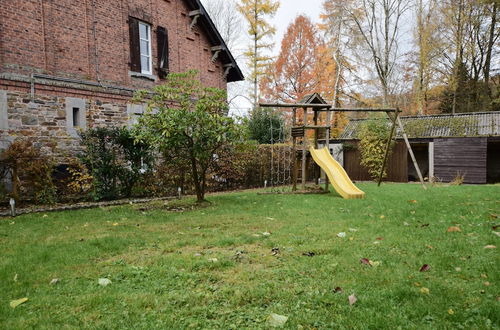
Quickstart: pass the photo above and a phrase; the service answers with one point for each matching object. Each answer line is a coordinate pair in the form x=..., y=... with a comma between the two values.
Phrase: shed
x=446, y=147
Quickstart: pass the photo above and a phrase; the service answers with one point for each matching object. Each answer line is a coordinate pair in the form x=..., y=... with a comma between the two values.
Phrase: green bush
x=373, y=135
x=115, y=161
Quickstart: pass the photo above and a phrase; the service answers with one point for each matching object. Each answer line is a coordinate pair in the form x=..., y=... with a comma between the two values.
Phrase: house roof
x=439, y=126
x=206, y=23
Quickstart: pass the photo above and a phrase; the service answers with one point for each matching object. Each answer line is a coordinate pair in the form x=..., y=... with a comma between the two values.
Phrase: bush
x=114, y=160
x=373, y=136
x=30, y=173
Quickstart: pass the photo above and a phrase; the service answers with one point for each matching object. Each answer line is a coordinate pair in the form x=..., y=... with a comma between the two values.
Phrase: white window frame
x=141, y=54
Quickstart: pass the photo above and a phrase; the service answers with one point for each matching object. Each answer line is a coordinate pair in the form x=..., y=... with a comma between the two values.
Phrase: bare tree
x=227, y=19
x=378, y=22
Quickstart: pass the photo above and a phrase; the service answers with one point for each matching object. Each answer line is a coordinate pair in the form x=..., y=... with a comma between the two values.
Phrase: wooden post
x=316, y=133
x=304, y=151
x=414, y=160
x=388, y=146
x=294, y=152
x=327, y=141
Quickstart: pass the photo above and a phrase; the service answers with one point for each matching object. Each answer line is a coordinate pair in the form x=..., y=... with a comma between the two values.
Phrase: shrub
x=115, y=162
x=373, y=135
x=30, y=172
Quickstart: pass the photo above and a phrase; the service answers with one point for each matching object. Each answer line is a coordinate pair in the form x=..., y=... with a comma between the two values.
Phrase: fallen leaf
x=382, y=217
x=115, y=224
x=496, y=233
x=104, y=282
x=453, y=229
x=487, y=283
x=309, y=254
x=197, y=254
x=424, y=290
x=450, y=311
x=417, y=284
x=365, y=261
x=429, y=246
x=266, y=233
x=424, y=225
x=353, y=229
x=352, y=299
x=495, y=227
x=406, y=223
x=338, y=290
x=412, y=201
x=275, y=251
x=425, y=268
x=490, y=247
x=458, y=269
x=374, y=263
x=351, y=238
x=17, y=302
x=276, y=320
x=484, y=276
x=256, y=235
x=45, y=216
x=269, y=218
x=379, y=238
x=15, y=278
x=213, y=260
x=341, y=234
x=55, y=281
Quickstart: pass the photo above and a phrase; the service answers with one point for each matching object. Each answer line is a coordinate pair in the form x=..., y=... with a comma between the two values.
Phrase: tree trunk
x=491, y=41
x=200, y=195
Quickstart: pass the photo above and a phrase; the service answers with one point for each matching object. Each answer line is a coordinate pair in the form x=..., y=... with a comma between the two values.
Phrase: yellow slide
x=336, y=174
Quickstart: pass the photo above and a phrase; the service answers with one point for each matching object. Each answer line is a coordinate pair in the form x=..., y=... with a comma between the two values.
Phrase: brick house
x=67, y=65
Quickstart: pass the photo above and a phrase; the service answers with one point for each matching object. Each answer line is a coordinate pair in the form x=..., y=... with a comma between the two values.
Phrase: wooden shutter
x=135, y=48
x=162, y=40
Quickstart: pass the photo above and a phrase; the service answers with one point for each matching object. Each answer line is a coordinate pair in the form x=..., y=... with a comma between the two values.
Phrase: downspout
x=96, y=47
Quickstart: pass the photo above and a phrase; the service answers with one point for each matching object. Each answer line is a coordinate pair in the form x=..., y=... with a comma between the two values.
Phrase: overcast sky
x=289, y=9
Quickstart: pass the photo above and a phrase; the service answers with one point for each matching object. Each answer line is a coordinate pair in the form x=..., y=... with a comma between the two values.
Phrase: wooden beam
x=294, y=153
x=304, y=153
x=325, y=107
x=327, y=142
x=388, y=146
x=414, y=160
x=194, y=13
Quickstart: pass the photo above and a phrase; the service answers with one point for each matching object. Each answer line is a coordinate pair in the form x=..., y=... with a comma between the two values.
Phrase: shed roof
x=206, y=23
x=439, y=126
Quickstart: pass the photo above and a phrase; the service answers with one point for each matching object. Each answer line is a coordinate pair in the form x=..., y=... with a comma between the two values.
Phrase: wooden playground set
x=334, y=172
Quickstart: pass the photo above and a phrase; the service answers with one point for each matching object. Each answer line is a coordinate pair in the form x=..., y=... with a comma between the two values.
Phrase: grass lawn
x=214, y=268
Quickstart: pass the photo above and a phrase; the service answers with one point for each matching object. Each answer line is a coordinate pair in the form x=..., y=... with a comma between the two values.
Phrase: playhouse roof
x=439, y=126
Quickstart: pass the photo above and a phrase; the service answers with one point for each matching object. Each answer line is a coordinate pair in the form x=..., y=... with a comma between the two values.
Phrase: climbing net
x=281, y=154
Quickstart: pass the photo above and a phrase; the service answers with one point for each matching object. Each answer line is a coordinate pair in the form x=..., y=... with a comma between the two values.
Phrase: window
x=76, y=115
x=140, y=47
x=145, y=47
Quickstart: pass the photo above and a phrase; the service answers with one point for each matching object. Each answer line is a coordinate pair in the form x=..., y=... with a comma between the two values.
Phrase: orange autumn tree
x=302, y=66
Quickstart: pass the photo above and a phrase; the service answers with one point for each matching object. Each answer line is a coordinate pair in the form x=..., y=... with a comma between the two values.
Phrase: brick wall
x=90, y=39
x=87, y=42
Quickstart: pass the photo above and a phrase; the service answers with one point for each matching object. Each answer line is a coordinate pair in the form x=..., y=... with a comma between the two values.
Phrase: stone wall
x=46, y=122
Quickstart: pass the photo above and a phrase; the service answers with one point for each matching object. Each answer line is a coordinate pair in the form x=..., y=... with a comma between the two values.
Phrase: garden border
x=84, y=205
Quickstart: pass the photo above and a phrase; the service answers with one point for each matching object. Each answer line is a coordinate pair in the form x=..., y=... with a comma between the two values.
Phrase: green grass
x=159, y=262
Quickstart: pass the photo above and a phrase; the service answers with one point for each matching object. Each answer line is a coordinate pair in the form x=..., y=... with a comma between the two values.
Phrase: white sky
x=289, y=9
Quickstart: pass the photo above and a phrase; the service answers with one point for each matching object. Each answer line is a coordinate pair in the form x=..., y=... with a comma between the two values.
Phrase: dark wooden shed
x=446, y=147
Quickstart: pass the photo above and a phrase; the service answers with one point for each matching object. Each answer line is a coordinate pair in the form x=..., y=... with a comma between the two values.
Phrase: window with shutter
x=140, y=47
x=135, y=51
x=162, y=40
